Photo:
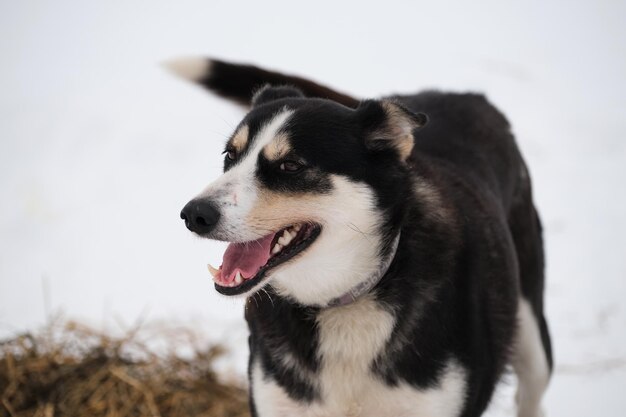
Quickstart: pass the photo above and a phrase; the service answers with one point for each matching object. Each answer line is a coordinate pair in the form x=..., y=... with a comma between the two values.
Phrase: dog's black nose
x=200, y=216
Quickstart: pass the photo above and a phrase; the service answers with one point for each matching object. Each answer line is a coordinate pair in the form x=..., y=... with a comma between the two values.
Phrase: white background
x=100, y=149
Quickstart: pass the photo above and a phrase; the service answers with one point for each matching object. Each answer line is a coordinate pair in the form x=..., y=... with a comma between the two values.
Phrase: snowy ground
x=100, y=149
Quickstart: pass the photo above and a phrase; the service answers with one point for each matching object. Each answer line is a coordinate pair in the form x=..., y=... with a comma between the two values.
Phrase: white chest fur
x=351, y=337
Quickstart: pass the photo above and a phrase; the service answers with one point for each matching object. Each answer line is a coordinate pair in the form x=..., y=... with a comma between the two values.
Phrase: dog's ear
x=269, y=93
x=387, y=124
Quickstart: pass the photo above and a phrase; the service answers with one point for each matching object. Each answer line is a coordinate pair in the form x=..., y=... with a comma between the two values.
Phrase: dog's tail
x=239, y=82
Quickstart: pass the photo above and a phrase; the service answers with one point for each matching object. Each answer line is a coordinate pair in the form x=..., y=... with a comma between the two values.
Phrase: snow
x=100, y=148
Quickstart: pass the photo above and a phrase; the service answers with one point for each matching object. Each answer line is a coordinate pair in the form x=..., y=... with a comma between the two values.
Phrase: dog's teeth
x=277, y=248
x=297, y=227
x=284, y=239
x=238, y=278
x=213, y=271
x=293, y=234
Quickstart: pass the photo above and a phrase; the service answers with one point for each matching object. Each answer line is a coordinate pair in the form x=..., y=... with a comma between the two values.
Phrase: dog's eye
x=291, y=167
x=231, y=155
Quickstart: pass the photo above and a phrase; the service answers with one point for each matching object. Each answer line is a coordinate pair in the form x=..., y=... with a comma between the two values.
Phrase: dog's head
x=311, y=196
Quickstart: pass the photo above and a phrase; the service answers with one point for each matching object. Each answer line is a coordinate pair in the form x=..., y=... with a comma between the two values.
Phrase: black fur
x=460, y=270
x=268, y=93
x=240, y=82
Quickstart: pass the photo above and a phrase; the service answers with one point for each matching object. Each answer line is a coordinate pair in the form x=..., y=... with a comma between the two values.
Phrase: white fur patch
x=345, y=253
x=270, y=399
x=530, y=363
x=351, y=337
x=190, y=68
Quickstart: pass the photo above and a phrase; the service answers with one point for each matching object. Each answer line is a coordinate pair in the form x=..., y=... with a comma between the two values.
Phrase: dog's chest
x=350, y=339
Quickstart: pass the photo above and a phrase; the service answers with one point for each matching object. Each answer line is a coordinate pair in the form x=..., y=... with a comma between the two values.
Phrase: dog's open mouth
x=246, y=264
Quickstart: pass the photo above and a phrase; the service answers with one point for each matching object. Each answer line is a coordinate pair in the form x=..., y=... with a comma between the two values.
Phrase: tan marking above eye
x=240, y=139
x=277, y=148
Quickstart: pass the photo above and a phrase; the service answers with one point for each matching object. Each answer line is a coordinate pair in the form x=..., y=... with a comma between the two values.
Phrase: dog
x=389, y=249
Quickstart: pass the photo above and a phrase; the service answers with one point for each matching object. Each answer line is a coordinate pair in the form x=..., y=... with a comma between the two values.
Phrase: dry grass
x=70, y=370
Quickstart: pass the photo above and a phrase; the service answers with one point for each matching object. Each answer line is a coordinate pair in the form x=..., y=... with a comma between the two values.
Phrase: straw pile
x=70, y=370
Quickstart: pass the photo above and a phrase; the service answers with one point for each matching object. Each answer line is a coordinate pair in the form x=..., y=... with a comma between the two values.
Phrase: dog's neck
x=366, y=286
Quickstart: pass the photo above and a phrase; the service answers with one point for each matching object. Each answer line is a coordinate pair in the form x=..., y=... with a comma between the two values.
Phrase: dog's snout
x=200, y=216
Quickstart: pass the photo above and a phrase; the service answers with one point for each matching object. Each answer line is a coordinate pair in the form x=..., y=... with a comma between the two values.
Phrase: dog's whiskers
x=254, y=298
x=354, y=227
x=268, y=296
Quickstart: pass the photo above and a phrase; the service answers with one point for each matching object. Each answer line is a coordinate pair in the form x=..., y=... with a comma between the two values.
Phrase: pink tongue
x=246, y=257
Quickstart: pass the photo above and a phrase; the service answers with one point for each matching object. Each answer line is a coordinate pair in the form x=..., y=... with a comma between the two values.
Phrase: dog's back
x=471, y=144
x=462, y=298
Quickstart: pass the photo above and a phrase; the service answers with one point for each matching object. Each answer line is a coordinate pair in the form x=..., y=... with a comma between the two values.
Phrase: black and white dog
x=389, y=249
